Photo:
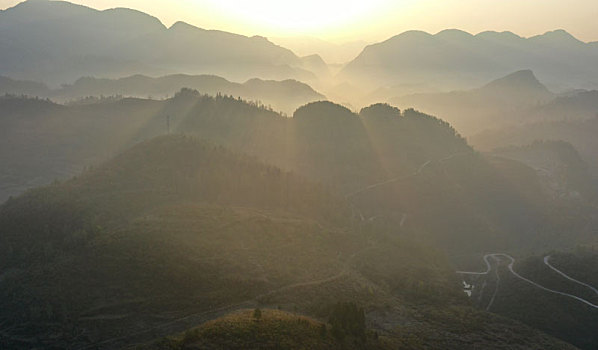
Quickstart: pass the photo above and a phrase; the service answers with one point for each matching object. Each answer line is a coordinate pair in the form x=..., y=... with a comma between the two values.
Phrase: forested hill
x=400, y=167
x=170, y=227
x=175, y=232
x=515, y=98
x=352, y=150
x=282, y=95
x=372, y=148
x=558, y=164
x=151, y=175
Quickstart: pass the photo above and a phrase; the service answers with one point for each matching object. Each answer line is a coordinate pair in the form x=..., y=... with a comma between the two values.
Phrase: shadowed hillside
x=505, y=101
x=562, y=170
x=284, y=96
x=397, y=168
x=165, y=186
x=561, y=315
x=175, y=232
x=579, y=133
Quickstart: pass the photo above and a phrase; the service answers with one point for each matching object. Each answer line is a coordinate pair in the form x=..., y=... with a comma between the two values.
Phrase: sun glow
x=300, y=17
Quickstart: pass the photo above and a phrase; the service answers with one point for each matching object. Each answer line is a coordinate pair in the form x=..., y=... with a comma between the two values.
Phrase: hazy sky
x=345, y=20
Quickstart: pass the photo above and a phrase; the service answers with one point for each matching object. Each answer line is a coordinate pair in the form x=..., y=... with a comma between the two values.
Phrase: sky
x=370, y=20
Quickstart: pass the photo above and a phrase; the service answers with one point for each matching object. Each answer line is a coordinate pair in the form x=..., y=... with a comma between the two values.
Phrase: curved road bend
x=510, y=267
x=546, y=258
x=488, y=269
x=185, y=322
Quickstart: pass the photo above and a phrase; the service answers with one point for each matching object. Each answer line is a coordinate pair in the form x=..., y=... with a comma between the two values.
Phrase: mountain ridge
x=121, y=41
x=453, y=58
x=284, y=95
x=503, y=101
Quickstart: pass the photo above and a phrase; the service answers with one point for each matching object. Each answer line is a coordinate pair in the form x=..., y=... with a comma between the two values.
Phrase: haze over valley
x=168, y=186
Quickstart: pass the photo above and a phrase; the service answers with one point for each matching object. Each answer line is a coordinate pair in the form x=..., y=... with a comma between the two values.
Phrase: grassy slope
x=437, y=329
x=274, y=330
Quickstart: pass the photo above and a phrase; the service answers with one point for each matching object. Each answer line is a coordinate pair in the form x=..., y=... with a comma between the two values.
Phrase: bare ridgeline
x=181, y=188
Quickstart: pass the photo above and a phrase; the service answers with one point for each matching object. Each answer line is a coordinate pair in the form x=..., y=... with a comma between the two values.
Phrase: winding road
x=185, y=322
x=497, y=256
x=546, y=258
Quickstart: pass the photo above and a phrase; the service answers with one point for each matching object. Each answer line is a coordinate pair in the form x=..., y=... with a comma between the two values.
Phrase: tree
x=347, y=319
x=323, y=331
x=257, y=314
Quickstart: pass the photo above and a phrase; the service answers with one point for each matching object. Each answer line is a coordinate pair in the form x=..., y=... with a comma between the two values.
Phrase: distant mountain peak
x=453, y=34
x=411, y=34
x=37, y=8
x=521, y=77
x=557, y=36
x=561, y=33
x=490, y=34
x=523, y=80
x=180, y=25
x=525, y=74
x=35, y=1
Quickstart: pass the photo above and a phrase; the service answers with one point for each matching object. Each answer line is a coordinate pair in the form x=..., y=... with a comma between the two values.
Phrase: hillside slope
x=504, y=101
x=579, y=133
x=400, y=167
x=175, y=232
x=557, y=314
x=284, y=96
x=560, y=167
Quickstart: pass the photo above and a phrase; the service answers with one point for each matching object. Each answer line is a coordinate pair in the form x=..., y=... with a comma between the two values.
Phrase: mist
x=268, y=176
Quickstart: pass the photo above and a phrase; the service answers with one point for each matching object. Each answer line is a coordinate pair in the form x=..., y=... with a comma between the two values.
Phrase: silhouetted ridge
x=19, y=87
x=453, y=59
x=182, y=26
x=502, y=101
x=453, y=34
x=559, y=36
x=520, y=80
x=74, y=41
x=284, y=96
x=381, y=110
x=410, y=35
x=504, y=38
x=322, y=110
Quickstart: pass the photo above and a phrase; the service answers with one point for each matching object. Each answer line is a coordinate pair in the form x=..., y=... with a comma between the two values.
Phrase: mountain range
x=454, y=59
x=169, y=188
x=517, y=98
x=284, y=96
x=37, y=42
x=57, y=42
